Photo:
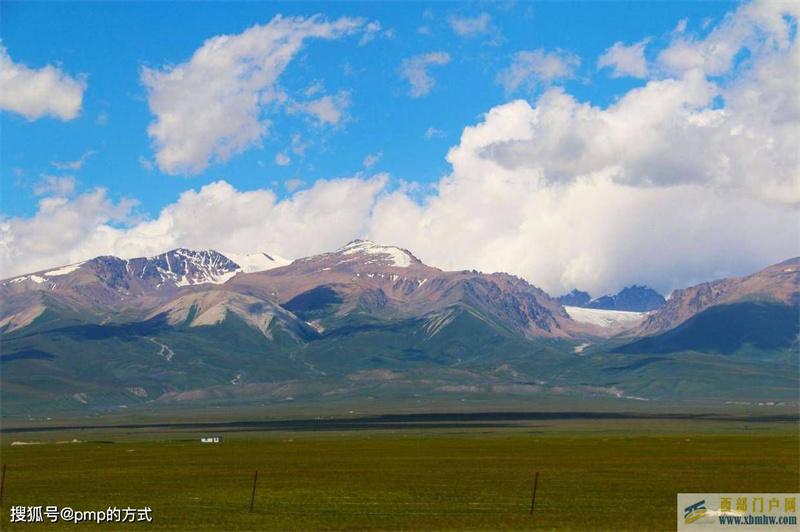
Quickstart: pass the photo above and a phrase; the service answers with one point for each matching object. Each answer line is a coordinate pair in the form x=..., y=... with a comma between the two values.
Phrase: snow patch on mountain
x=257, y=262
x=394, y=255
x=35, y=278
x=64, y=270
x=605, y=318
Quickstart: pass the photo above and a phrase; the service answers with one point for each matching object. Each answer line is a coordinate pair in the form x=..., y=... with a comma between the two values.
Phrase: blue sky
x=670, y=165
x=110, y=42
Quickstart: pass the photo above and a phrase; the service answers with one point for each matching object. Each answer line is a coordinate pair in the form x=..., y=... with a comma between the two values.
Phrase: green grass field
x=470, y=479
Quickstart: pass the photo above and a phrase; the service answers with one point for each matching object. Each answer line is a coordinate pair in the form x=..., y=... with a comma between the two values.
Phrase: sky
x=587, y=145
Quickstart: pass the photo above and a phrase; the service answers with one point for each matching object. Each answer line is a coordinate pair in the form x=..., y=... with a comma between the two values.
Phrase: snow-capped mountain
x=110, y=284
x=376, y=281
x=173, y=269
x=367, y=253
x=186, y=325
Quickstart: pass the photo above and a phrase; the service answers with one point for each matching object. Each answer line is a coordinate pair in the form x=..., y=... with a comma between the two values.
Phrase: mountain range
x=631, y=299
x=370, y=320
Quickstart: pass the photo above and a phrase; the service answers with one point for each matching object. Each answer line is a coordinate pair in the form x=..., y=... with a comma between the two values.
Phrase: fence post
x=2, y=483
x=533, y=498
x=253, y=497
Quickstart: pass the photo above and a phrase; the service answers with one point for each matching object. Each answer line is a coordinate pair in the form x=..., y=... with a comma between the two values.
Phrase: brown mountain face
x=778, y=283
x=360, y=283
x=373, y=282
x=107, y=286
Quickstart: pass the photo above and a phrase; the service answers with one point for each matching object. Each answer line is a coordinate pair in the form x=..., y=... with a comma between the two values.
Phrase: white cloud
x=314, y=88
x=625, y=60
x=217, y=216
x=74, y=165
x=373, y=30
x=58, y=186
x=679, y=181
x=281, y=159
x=372, y=159
x=198, y=122
x=415, y=70
x=325, y=110
x=62, y=231
x=35, y=93
x=470, y=26
x=762, y=27
x=433, y=133
x=529, y=69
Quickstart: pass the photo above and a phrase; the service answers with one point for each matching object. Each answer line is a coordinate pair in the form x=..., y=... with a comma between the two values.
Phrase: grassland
x=602, y=474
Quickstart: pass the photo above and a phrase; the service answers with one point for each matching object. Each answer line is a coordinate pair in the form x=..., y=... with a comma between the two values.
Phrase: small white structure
x=211, y=439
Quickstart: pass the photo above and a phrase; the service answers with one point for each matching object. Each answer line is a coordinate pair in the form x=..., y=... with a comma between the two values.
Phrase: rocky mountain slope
x=108, y=285
x=367, y=282
x=576, y=298
x=779, y=283
x=630, y=299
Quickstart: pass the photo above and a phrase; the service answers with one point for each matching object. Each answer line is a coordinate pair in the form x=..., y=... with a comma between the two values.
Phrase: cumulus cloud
x=625, y=60
x=281, y=159
x=680, y=181
x=416, y=71
x=532, y=68
x=761, y=27
x=217, y=216
x=62, y=231
x=35, y=93
x=603, y=227
x=470, y=26
x=198, y=122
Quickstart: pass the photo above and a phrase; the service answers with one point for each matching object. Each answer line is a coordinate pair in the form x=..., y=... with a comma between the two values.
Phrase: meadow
x=594, y=475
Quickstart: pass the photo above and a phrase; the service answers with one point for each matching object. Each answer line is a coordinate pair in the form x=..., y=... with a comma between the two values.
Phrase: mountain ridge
x=632, y=298
x=366, y=319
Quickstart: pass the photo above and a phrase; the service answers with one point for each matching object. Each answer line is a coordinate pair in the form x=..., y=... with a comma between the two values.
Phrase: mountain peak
x=376, y=253
x=631, y=298
x=576, y=298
